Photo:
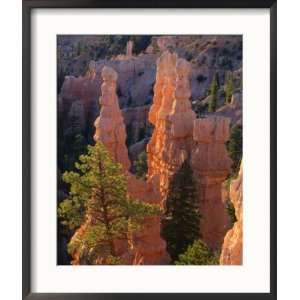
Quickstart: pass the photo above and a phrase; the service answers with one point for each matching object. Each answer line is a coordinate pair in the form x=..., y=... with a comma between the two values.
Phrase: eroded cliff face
x=173, y=119
x=211, y=165
x=178, y=136
x=146, y=247
x=232, y=249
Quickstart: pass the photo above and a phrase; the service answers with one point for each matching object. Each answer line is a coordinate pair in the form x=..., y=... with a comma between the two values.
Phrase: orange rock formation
x=211, y=165
x=173, y=117
x=147, y=246
x=110, y=129
x=178, y=135
x=232, y=249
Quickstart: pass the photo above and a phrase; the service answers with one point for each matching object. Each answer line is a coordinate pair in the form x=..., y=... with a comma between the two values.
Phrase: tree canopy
x=98, y=198
x=180, y=226
x=197, y=254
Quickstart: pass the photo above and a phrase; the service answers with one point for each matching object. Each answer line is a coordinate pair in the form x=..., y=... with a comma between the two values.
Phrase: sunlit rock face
x=232, y=249
x=178, y=136
x=110, y=129
x=173, y=117
x=145, y=247
x=211, y=165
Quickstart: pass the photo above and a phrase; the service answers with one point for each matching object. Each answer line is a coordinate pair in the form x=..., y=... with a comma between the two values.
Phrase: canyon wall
x=232, y=249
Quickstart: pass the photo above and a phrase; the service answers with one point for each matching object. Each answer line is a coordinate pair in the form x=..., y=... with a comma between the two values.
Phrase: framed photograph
x=149, y=149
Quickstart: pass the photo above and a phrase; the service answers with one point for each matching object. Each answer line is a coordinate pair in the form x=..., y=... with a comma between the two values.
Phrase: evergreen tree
x=235, y=147
x=180, y=226
x=213, y=90
x=228, y=87
x=98, y=192
x=140, y=165
x=231, y=212
x=197, y=254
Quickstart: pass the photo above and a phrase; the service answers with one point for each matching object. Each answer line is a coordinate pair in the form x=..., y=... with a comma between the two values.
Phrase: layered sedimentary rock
x=173, y=119
x=110, y=129
x=232, y=249
x=178, y=136
x=146, y=247
x=164, y=86
x=211, y=165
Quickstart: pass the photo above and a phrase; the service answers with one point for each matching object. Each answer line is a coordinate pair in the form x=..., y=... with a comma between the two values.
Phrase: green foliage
x=140, y=165
x=231, y=212
x=197, y=254
x=180, y=226
x=98, y=192
x=74, y=146
x=228, y=87
x=213, y=90
x=235, y=147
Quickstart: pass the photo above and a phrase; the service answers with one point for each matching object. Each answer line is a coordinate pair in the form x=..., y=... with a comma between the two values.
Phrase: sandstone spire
x=211, y=165
x=110, y=129
x=164, y=86
x=178, y=136
x=182, y=116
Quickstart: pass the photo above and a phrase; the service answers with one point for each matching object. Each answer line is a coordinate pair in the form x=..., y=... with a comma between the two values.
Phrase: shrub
x=197, y=254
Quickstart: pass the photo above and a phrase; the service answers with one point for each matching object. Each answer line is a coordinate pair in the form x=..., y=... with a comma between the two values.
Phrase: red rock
x=211, y=165
x=145, y=247
x=110, y=129
x=178, y=135
x=232, y=249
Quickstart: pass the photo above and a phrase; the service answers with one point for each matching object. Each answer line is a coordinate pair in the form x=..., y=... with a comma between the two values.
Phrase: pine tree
x=197, y=254
x=180, y=226
x=235, y=147
x=140, y=165
x=228, y=87
x=98, y=192
x=213, y=90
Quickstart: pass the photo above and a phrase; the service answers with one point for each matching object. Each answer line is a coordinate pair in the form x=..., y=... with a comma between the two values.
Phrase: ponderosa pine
x=98, y=192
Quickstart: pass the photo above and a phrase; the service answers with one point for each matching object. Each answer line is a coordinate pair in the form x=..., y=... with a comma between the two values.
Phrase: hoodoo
x=110, y=129
x=211, y=165
x=178, y=136
x=147, y=246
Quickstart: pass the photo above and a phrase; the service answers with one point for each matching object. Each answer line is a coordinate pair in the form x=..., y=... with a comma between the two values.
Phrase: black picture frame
x=28, y=5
